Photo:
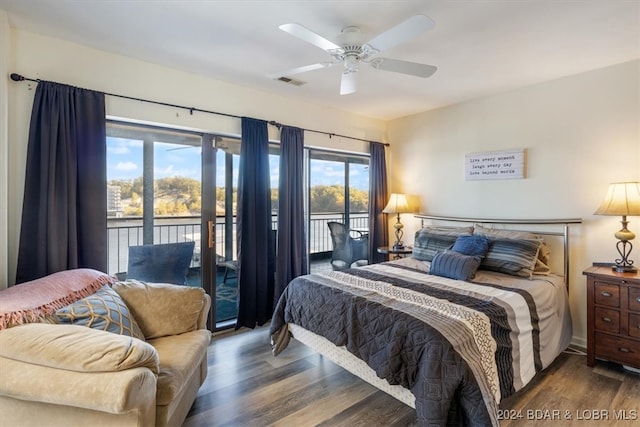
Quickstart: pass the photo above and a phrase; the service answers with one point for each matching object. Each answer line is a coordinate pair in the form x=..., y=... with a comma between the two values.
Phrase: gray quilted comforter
x=459, y=347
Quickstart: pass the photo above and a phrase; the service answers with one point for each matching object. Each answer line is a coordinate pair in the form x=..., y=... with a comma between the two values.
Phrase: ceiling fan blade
x=309, y=36
x=348, y=82
x=302, y=69
x=404, y=67
x=400, y=33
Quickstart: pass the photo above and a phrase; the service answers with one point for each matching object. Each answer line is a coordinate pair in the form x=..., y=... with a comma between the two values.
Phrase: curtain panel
x=378, y=197
x=64, y=224
x=256, y=245
x=292, y=258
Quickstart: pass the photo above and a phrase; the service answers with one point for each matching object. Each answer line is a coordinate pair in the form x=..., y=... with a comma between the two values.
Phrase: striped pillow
x=542, y=263
x=454, y=265
x=426, y=245
x=516, y=257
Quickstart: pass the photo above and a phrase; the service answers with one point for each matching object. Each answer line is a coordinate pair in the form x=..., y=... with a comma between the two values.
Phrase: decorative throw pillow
x=426, y=245
x=516, y=257
x=475, y=245
x=454, y=265
x=102, y=310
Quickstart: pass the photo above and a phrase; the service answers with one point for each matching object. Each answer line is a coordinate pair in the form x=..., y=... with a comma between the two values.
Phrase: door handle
x=210, y=234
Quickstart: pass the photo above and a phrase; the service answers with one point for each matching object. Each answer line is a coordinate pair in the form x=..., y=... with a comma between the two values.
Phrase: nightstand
x=613, y=316
x=397, y=253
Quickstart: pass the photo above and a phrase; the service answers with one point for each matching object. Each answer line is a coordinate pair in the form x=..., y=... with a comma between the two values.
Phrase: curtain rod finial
x=16, y=77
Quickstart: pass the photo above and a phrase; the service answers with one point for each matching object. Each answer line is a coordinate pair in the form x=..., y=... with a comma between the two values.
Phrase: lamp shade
x=398, y=203
x=623, y=198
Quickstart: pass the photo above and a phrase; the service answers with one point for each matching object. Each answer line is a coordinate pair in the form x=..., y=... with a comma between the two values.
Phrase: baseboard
x=578, y=343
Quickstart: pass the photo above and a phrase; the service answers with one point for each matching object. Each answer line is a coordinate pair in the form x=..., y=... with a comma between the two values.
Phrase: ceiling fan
x=351, y=54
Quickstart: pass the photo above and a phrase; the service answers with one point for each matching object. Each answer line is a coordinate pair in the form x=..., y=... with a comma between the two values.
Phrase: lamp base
x=624, y=264
x=624, y=268
x=399, y=246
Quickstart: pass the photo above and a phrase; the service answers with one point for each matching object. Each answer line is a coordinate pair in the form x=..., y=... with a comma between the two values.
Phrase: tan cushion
x=113, y=392
x=162, y=309
x=180, y=356
x=76, y=348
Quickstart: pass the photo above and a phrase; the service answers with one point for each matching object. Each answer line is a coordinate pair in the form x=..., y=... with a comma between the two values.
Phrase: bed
x=469, y=319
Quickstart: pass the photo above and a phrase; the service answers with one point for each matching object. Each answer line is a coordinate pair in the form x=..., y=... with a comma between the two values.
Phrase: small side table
x=397, y=253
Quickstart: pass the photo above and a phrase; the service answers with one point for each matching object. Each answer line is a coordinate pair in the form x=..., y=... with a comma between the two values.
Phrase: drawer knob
x=605, y=294
x=623, y=282
x=606, y=319
x=624, y=350
x=638, y=299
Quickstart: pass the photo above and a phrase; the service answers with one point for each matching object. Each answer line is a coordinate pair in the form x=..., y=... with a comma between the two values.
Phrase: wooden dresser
x=613, y=317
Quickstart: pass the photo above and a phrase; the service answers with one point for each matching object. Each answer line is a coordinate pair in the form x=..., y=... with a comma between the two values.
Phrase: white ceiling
x=479, y=46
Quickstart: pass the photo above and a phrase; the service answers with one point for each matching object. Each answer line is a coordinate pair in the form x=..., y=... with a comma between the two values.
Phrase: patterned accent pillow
x=454, y=265
x=426, y=245
x=102, y=310
x=475, y=245
x=516, y=257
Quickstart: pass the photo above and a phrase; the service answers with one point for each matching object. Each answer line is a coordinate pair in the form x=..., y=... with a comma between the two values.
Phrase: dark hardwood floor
x=247, y=386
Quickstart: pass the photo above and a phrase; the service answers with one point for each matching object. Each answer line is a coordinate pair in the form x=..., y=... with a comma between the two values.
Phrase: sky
x=124, y=162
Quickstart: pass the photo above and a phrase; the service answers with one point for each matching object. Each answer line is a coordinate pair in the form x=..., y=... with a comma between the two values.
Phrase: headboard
x=558, y=228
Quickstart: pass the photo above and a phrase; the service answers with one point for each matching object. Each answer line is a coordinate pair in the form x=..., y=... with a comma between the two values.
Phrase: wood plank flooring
x=247, y=386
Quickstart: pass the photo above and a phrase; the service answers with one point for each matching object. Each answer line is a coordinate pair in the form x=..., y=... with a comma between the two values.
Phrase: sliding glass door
x=161, y=189
x=338, y=190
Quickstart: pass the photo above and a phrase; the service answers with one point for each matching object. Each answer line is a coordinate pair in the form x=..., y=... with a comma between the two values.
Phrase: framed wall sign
x=508, y=164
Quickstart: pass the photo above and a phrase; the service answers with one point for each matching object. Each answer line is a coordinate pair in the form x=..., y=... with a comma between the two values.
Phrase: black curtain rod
x=19, y=78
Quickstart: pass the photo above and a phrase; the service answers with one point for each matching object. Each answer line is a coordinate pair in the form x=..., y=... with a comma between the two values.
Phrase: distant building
x=114, y=201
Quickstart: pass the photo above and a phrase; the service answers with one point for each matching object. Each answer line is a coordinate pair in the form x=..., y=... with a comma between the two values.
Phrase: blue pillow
x=454, y=265
x=475, y=245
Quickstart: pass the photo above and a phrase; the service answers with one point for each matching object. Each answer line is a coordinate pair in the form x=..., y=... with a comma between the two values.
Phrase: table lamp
x=623, y=198
x=398, y=203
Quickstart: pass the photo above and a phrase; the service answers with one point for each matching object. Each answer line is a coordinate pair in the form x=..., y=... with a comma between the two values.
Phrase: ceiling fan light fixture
x=350, y=51
x=351, y=62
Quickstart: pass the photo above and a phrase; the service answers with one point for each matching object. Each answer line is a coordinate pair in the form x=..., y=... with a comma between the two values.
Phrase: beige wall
x=580, y=133
x=4, y=145
x=46, y=58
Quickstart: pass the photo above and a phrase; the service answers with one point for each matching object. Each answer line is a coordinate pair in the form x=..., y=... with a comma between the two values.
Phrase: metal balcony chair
x=165, y=263
x=348, y=251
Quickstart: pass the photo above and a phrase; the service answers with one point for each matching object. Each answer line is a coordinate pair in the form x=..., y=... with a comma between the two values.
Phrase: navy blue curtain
x=255, y=238
x=292, y=256
x=378, y=198
x=64, y=222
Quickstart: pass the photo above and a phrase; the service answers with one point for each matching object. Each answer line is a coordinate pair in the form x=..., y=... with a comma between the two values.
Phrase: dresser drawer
x=607, y=294
x=634, y=299
x=634, y=325
x=618, y=349
x=607, y=320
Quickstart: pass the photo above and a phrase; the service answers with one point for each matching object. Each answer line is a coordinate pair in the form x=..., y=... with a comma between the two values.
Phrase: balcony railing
x=125, y=232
